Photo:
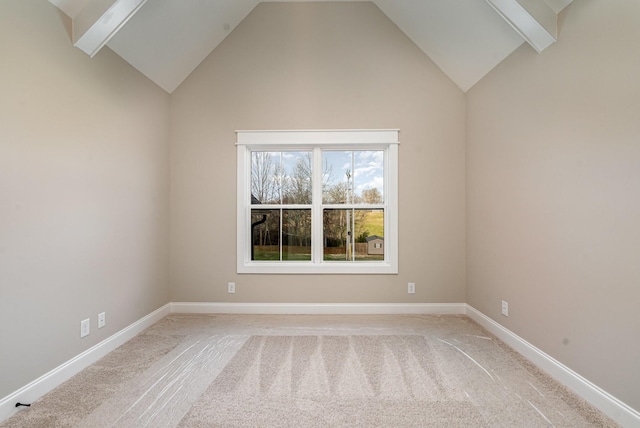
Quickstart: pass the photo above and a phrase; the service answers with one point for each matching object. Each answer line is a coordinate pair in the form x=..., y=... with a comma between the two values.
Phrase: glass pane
x=281, y=177
x=338, y=166
x=353, y=177
x=368, y=177
x=353, y=235
x=336, y=245
x=297, y=168
x=296, y=235
x=265, y=187
x=265, y=234
x=369, y=235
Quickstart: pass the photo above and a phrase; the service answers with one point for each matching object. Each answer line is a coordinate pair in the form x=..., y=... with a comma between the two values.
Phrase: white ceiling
x=167, y=39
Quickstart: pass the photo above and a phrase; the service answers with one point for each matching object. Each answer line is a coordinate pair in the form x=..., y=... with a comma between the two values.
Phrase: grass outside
x=272, y=253
x=374, y=224
x=359, y=257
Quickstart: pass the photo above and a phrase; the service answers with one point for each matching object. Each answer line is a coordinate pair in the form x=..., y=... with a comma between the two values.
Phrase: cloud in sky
x=365, y=166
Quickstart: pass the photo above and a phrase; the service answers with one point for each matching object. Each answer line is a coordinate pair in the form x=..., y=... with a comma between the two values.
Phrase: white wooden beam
x=99, y=21
x=534, y=20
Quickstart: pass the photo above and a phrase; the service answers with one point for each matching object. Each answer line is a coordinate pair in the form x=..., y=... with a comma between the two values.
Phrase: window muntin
x=328, y=200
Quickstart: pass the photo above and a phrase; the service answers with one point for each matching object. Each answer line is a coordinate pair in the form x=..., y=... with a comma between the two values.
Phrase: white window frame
x=305, y=140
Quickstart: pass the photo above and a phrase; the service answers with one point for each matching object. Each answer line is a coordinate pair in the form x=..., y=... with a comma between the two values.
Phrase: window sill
x=328, y=268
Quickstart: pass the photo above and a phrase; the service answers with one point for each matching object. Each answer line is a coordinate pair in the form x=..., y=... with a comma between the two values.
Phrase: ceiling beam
x=100, y=20
x=534, y=20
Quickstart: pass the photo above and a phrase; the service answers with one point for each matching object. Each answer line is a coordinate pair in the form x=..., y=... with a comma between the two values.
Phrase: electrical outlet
x=85, y=327
x=102, y=319
x=505, y=308
x=231, y=287
x=411, y=288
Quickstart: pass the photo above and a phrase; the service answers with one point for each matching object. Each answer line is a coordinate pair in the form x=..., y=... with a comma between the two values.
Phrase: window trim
x=382, y=139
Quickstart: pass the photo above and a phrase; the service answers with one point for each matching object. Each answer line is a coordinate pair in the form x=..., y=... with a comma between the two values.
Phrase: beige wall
x=83, y=193
x=553, y=195
x=317, y=66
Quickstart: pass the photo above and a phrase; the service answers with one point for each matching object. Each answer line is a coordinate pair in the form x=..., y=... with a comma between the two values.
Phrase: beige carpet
x=333, y=381
x=311, y=371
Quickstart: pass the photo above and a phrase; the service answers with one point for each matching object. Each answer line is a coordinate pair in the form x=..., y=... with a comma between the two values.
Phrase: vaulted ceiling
x=167, y=39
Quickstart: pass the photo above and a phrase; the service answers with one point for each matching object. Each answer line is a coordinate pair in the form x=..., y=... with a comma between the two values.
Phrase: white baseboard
x=319, y=308
x=60, y=374
x=605, y=402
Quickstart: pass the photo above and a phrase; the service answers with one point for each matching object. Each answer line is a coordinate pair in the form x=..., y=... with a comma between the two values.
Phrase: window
x=317, y=201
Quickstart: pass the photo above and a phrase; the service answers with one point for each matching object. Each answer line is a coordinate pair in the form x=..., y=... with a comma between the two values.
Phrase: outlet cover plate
x=85, y=327
x=505, y=308
x=102, y=319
